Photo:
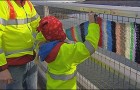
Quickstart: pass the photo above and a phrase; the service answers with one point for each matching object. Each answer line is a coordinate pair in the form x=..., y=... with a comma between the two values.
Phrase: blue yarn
x=109, y=36
x=46, y=48
x=86, y=27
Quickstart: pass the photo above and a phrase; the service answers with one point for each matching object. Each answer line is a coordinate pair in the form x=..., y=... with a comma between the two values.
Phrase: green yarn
x=132, y=41
x=77, y=32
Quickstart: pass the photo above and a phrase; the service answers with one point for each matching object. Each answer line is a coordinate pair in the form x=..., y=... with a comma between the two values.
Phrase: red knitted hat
x=51, y=28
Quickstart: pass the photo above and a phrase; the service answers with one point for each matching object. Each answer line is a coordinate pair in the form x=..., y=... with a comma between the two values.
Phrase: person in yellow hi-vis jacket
x=62, y=57
x=18, y=24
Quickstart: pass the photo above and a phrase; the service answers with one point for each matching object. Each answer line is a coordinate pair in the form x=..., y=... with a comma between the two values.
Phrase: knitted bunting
x=120, y=38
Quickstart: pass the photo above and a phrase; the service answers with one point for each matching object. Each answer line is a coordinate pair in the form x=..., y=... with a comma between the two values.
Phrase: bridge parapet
x=115, y=64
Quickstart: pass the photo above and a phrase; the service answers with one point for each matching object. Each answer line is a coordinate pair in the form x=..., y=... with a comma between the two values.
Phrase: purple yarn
x=134, y=49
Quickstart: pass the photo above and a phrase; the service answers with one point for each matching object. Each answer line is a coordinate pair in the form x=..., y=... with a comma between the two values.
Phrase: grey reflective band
x=18, y=21
x=2, y=21
x=17, y=51
x=62, y=77
x=89, y=47
x=1, y=51
x=34, y=17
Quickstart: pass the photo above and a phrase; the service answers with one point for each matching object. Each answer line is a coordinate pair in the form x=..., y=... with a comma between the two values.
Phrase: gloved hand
x=92, y=17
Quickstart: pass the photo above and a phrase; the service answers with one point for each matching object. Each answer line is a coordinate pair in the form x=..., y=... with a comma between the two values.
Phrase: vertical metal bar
x=129, y=81
x=46, y=10
x=113, y=64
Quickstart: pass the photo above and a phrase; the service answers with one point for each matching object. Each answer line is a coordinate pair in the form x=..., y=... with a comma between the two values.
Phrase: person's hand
x=6, y=77
x=91, y=17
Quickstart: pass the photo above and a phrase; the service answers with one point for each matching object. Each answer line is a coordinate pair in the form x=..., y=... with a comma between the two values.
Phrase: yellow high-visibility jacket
x=17, y=35
x=61, y=71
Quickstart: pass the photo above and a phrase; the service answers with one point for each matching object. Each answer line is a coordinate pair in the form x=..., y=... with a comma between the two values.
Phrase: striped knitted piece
x=137, y=52
x=127, y=41
x=104, y=26
x=109, y=36
x=77, y=33
x=118, y=41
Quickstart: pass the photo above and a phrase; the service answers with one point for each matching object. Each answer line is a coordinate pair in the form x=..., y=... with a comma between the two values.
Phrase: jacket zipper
x=27, y=19
x=28, y=26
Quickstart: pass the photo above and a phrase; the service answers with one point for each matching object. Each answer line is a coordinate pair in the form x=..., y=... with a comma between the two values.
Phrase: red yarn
x=99, y=20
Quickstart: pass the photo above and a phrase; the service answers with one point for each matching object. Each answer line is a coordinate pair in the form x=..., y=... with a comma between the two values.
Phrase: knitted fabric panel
x=118, y=41
x=109, y=36
x=73, y=34
x=86, y=27
x=134, y=45
x=99, y=21
x=127, y=40
x=113, y=26
x=122, y=39
x=69, y=34
x=104, y=34
x=78, y=33
x=137, y=53
x=82, y=31
x=132, y=31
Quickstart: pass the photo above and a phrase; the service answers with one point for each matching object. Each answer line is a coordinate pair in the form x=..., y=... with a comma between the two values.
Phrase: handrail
x=126, y=11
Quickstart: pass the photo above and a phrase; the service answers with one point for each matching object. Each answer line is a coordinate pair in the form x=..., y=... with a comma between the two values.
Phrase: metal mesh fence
x=115, y=64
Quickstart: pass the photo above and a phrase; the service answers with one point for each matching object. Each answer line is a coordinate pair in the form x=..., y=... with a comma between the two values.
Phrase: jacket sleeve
x=3, y=62
x=3, y=15
x=34, y=24
x=73, y=54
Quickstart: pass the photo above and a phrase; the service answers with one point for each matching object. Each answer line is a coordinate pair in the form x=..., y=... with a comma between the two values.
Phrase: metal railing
x=105, y=69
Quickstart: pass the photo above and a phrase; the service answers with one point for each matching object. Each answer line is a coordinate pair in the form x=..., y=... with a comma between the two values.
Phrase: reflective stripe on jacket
x=62, y=71
x=16, y=34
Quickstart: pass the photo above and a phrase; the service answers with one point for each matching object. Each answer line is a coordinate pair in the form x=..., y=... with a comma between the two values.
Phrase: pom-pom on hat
x=51, y=28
